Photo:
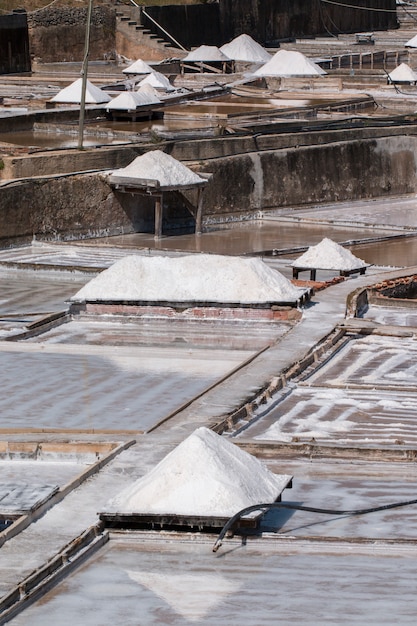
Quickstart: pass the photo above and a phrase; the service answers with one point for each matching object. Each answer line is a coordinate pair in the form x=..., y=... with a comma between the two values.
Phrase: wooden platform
x=185, y=523
x=313, y=271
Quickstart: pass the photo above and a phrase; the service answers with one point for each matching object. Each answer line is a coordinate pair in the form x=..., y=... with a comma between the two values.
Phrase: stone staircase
x=134, y=40
x=407, y=15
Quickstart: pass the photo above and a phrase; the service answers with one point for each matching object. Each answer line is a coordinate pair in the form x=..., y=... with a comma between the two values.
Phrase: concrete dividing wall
x=311, y=174
x=77, y=207
x=85, y=205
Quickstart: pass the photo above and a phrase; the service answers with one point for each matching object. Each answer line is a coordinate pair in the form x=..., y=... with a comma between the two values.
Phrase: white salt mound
x=244, y=48
x=150, y=92
x=403, y=74
x=138, y=67
x=329, y=255
x=412, y=43
x=205, y=475
x=190, y=278
x=157, y=80
x=157, y=165
x=206, y=53
x=72, y=94
x=290, y=63
x=130, y=101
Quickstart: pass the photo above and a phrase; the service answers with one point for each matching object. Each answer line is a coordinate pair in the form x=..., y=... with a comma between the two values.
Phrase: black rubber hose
x=299, y=507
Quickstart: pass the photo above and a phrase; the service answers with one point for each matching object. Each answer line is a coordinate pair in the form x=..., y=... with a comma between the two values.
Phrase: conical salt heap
x=206, y=53
x=160, y=166
x=244, y=48
x=157, y=80
x=402, y=74
x=290, y=63
x=411, y=43
x=329, y=255
x=138, y=67
x=210, y=278
x=205, y=475
x=73, y=94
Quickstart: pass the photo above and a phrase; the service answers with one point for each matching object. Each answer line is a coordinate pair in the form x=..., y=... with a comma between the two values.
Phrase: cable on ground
x=299, y=507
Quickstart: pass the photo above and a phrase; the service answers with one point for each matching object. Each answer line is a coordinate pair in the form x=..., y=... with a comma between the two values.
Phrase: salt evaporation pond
x=339, y=416
x=174, y=583
x=104, y=387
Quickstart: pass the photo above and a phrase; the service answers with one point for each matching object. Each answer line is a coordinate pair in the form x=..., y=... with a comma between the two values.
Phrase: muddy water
x=257, y=237
x=41, y=139
x=398, y=252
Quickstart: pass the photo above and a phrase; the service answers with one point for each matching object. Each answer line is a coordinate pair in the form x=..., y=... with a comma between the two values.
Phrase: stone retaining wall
x=75, y=206
x=58, y=35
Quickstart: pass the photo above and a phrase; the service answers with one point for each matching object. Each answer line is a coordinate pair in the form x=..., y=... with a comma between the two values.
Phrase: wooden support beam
x=199, y=216
x=158, y=216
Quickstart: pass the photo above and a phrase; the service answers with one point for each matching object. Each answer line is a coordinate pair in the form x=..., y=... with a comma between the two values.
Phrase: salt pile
x=138, y=67
x=206, y=53
x=157, y=165
x=129, y=101
x=244, y=48
x=157, y=80
x=205, y=475
x=402, y=74
x=289, y=63
x=150, y=92
x=72, y=94
x=329, y=255
x=412, y=43
x=190, y=278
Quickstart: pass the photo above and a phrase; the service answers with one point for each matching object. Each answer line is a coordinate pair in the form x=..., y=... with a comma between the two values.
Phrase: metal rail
x=142, y=11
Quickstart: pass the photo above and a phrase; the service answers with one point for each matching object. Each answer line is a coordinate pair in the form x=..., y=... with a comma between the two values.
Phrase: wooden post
x=199, y=216
x=158, y=216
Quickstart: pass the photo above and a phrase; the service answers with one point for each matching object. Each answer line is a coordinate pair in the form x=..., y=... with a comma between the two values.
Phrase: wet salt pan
x=329, y=255
x=195, y=278
x=204, y=475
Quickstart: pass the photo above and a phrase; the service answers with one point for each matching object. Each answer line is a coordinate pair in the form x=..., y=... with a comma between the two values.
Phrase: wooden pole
x=199, y=216
x=84, y=72
x=158, y=216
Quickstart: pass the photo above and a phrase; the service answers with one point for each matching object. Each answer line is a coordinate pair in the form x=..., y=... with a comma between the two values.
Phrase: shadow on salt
x=198, y=486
